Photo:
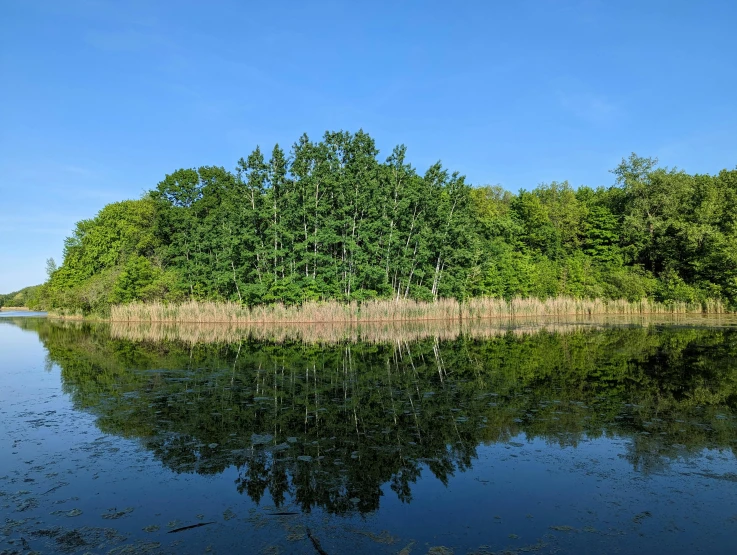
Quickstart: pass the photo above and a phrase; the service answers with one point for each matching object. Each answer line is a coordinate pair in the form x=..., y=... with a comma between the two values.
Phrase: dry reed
x=334, y=312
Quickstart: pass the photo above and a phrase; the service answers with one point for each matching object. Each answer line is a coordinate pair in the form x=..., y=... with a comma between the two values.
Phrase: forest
x=328, y=220
x=21, y=298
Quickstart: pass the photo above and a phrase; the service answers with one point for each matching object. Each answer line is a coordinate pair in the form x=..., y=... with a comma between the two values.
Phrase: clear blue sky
x=99, y=99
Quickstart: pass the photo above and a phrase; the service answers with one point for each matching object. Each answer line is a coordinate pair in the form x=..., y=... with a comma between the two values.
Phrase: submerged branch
x=183, y=528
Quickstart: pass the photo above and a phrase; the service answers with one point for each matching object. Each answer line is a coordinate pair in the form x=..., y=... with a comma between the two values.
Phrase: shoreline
x=496, y=318
x=390, y=311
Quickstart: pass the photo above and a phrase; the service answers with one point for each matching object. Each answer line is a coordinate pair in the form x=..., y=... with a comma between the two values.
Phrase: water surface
x=576, y=438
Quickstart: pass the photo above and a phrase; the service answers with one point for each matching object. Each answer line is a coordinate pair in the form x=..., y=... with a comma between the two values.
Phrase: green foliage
x=100, y=256
x=601, y=235
x=330, y=221
x=26, y=297
x=140, y=280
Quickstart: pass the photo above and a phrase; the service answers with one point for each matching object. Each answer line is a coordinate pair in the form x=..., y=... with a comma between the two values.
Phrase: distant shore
x=13, y=308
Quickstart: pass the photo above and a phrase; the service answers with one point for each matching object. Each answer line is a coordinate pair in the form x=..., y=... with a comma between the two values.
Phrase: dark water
x=613, y=440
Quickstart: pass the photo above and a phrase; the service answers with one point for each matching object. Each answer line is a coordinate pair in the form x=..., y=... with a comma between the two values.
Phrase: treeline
x=23, y=298
x=329, y=220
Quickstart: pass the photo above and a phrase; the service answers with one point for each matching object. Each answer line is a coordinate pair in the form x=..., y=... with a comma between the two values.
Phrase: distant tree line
x=329, y=220
x=22, y=298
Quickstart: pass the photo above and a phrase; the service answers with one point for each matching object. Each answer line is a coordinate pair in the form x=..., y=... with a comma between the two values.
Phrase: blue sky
x=100, y=99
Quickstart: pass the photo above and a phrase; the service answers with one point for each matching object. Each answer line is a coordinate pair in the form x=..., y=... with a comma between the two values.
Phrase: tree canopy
x=329, y=220
x=22, y=298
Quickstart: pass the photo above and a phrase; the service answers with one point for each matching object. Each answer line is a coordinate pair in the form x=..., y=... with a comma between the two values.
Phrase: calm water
x=587, y=439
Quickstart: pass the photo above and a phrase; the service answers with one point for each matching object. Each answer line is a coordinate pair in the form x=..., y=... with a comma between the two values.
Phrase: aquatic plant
x=404, y=310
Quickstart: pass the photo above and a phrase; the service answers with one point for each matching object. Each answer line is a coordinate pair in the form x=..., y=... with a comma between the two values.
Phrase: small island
x=328, y=232
x=403, y=278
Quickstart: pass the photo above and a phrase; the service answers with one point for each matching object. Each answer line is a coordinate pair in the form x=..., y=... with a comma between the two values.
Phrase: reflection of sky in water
x=517, y=494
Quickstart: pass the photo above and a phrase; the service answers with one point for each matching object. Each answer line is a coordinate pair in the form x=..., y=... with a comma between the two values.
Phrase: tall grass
x=333, y=312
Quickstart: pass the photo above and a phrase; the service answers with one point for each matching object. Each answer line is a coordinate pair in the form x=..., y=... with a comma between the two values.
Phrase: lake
x=574, y=437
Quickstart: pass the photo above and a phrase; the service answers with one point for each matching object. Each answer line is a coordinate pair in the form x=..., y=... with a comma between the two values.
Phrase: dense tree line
x=23, y=298
x=329, y=220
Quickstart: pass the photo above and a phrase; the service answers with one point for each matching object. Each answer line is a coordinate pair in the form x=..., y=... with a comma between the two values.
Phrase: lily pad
x=257, y=439
x=114, y=514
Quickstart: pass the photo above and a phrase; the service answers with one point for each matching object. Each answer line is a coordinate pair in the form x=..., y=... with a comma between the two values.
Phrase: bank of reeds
x=333, y=312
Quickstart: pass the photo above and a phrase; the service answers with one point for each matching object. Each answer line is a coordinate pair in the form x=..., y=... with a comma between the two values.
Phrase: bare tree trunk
x=240, y=299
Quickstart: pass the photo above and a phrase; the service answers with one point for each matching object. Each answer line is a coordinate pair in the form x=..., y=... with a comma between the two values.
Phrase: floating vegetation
x=563, y=528
x=11, y=524
x=71, y=540
x=638, y=518
x=228, y=514
x=296, y=533
x=26, y=504
x=114, y=514
x=257, y=439
x=383, y=537
x=72, y=513
x=136, y=548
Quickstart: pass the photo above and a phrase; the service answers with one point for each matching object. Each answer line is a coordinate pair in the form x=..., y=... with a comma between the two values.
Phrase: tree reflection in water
x=329, y=425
